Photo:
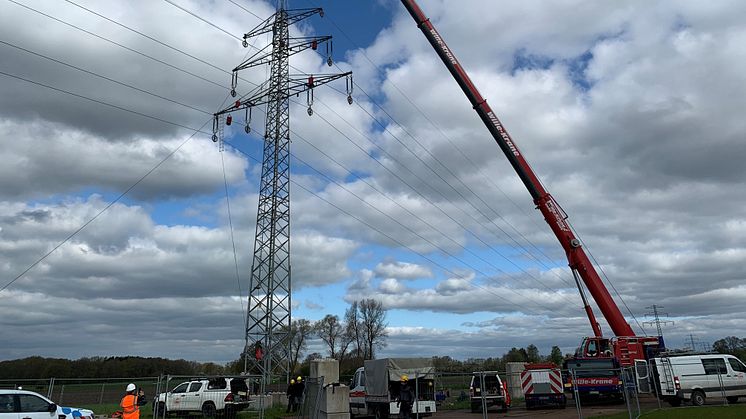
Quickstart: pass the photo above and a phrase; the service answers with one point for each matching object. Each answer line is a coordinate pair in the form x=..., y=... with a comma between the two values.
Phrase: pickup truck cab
x=210, y=397
x=22, y=404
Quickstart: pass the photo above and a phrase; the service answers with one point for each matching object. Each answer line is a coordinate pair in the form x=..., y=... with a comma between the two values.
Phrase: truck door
x=34, y=407
x=8, y=407
x=736, y=377
x=642, y=375
x=192, y=398
x=176, y=397
x=717, y=376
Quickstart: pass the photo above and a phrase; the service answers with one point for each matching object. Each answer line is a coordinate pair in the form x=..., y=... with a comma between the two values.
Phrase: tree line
x=103, y=367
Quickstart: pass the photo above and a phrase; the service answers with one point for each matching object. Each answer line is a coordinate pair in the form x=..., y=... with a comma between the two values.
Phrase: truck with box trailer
x=374, y=389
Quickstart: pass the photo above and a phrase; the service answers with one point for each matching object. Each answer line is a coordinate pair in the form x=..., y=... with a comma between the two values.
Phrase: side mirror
x=52, y=408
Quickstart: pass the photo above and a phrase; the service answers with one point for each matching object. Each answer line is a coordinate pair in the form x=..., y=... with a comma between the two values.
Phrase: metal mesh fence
x=581, y=392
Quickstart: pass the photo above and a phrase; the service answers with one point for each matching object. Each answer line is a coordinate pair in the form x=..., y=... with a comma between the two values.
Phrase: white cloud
x=630, y=114
x=402, y=270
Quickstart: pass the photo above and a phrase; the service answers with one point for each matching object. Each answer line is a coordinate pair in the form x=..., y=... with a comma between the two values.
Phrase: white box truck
x=694, y=378
x=375, y=387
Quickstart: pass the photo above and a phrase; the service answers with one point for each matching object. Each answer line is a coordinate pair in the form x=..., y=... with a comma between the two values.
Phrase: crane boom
x=552, y=212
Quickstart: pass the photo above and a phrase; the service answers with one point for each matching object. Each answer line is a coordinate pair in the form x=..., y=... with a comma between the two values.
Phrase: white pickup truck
x=210, y=397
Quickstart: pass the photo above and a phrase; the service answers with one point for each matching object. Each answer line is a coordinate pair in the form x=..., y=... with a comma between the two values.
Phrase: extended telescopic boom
x=552, y=212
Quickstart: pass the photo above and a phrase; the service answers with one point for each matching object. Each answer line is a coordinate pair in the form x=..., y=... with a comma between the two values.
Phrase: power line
x=608, y=280
x=100, y=102
x=404, y=226
x=437, y=174
x=391, y=238
x=171, y=47
x=98, y=214
x=230, y=224
x=92, y=73
x=196, y=131
x=109, y=80
x=440, y=209
x=453, y=144
x=118, y=44
x=203, y=20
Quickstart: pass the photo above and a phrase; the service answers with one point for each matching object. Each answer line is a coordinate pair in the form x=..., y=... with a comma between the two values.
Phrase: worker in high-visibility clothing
x=131, y=402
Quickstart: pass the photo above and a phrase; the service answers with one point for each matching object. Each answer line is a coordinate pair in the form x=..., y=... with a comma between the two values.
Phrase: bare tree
x=353, y=332
x=300, y=331
x=373, y=322
x=329, y=329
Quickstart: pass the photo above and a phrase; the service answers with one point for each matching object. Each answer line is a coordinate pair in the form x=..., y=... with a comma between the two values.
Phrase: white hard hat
x=131, y=387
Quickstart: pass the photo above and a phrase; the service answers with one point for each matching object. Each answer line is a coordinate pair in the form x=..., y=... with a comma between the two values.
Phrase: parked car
x=210, y=397
x=694, y=378
x=491, y=390
x=16, y=404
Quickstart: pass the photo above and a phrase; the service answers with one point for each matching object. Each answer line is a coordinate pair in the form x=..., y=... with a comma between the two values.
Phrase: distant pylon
x=268, y=318
x=656, y=314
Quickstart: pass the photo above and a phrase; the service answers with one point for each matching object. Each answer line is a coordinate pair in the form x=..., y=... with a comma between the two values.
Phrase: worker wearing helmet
x=292, y=404
x=300, y=388
x=405, y=399
x=132, y=401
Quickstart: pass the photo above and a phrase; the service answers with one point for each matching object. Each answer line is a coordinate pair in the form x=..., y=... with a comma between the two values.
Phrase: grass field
x=720, y=412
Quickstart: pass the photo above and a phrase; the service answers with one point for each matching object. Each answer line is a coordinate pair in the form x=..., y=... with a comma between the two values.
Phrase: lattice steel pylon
x=268, y=317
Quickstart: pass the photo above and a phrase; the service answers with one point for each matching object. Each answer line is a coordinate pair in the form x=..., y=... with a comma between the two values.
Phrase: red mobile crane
x=626, y=347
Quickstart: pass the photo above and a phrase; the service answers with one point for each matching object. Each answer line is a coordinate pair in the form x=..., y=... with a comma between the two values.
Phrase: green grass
x=720, y=412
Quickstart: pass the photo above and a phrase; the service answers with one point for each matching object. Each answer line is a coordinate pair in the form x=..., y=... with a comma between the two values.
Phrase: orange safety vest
x=130, y=409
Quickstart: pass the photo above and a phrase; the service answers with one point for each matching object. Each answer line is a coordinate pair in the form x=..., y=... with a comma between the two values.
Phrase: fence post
x=51, y=388
x=101, y=396
x=636, y=388
x=722, y=387
x=417, y=394
x=576, y=394
x=62, y=392
x=625, y=392
x=481, y=394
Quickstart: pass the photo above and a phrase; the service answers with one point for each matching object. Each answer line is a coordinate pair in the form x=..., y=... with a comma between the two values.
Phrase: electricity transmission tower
x=656, y=315
x=268, y=317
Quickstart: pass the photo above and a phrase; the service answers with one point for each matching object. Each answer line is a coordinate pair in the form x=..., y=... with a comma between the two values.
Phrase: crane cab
x=626, y=349
x=594, y=347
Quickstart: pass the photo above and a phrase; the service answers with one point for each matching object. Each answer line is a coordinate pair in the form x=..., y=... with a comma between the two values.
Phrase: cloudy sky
x=630, y=112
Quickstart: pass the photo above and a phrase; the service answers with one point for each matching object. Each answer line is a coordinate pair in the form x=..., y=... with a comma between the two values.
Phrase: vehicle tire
x=732, y=399
x=160, y=410
x=209, y=410
x=229, y=412
x=352, y=415
x=698, y=398
x=674, y=402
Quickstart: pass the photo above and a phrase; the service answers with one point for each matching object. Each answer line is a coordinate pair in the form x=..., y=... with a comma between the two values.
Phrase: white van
x=696, y=377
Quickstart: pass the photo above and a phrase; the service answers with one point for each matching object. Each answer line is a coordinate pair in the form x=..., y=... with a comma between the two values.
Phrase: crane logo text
x=443, y=46
x=503, y=133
